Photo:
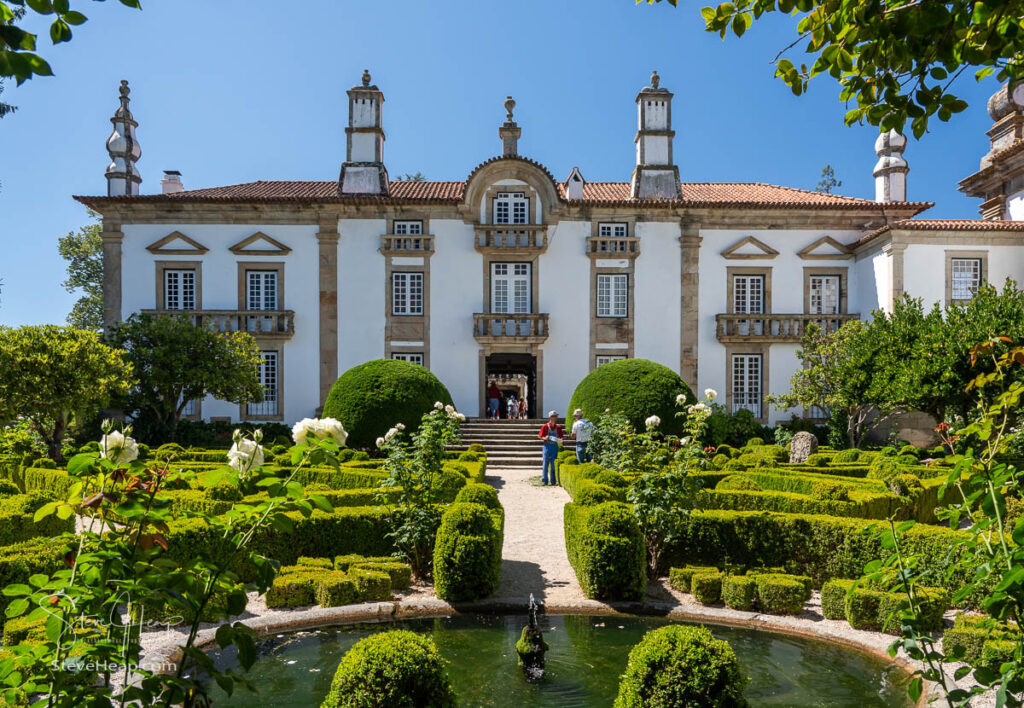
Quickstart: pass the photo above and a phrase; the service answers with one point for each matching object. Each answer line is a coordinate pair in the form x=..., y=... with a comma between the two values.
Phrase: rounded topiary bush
x=738, y=483
x=681, y=666
x=467, y=553
x=478, y=493
x=636, y=388
x=371, y=398
x=397, y=668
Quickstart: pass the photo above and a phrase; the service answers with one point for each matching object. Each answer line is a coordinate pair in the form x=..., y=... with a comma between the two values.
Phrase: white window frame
x=268, y=373
x=408, y=227
x=748, y=383
x=612, y=229
x=818, y=297
x=965, y=278
x=411, y=357
x=179, y=288
x=511, y=208
x=601, y=359
x=511, y=288
x=261, y=288
x=407, y=294
x=748, y=294
x=612, y=295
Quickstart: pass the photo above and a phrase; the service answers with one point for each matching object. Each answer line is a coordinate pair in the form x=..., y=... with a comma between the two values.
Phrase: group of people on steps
x=501, y=406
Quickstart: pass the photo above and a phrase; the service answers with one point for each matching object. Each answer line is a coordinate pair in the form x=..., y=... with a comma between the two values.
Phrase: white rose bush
x=124, y=561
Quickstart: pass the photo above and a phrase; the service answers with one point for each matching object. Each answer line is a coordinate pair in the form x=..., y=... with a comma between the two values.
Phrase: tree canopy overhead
x=895, y=61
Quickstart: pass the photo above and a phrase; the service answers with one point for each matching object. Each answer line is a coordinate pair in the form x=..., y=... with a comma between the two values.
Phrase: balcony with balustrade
x=519, y=328
x=273, y=324
x=407, y=244
x=773, y=328
x=511, y=239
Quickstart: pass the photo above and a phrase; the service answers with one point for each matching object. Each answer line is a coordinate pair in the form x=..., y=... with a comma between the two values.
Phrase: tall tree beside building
x=83, y=250
x=828, y=180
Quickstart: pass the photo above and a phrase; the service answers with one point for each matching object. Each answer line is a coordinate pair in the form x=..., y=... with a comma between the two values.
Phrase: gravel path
x=533, y=558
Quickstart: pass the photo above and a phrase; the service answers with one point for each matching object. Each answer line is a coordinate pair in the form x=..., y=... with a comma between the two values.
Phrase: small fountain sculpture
x=531, y=646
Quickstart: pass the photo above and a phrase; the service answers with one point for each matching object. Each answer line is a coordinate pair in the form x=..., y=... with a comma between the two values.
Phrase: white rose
x=400, y=426
x=332, y=428
x=119, y=449
x=680, y=399
x=653, y=422
x=390, y=434
x=439, y=406
x=710, y=394
x=380, y=442
x=245, y=455
x=302, y=431
x=461, y=417
x=449, y=409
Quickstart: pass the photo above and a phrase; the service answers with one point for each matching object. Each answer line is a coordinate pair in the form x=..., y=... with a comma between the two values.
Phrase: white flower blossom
x=698, y=409
x=118, y=448
x=461, y=417
x=400, y=426
x=380, y=442
x=390, y=434
x=333, y=429
x=304, y=429
x=308, y=430
x=680, y=399
x=439, y=406
x=245, y=455
x=710, y=394
x=449, y=409
x=653, y=422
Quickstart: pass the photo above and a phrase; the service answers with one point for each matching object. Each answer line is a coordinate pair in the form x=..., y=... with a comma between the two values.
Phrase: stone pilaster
x=688, y=307
x=895, y=253
x=112, y=237
x=327, y=240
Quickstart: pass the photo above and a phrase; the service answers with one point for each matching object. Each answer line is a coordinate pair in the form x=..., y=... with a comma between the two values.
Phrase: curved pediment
x=508, y=171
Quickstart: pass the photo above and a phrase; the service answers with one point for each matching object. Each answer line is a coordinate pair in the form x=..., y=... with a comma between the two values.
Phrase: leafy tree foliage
x=55, y=376
x=895, y=61
x=17, y=45
x=177, y=361
x=83, y=250
x=828, y=180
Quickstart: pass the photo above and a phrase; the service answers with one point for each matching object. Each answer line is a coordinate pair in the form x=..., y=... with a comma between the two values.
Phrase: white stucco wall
x=657, y=294
x=564, y=286
x=361, y=292
x=871, y=272
x=924, y=268
x=220, y=292
x=456, y=292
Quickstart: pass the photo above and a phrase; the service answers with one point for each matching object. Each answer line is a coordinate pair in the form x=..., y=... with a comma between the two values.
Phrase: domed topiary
x=371, y=398
x=636, y=388
x=681, y=666
x=397, y=668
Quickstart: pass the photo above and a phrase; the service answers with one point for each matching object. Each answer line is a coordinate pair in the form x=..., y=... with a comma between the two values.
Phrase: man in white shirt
x=582, y=429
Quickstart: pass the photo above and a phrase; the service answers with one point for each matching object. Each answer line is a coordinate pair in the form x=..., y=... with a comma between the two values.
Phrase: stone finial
x=655, y=79
x=510, y=105
x=123, y=177
x=509, y=131
x=366, y=78
x=891, y=170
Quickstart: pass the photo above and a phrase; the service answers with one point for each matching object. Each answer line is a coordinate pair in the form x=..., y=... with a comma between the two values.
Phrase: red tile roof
x=945, y=225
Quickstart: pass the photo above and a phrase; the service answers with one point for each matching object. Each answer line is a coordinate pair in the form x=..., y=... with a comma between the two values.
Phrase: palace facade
x=516, y=275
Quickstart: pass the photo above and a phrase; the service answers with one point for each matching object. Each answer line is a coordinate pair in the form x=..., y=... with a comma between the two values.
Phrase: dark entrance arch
x=512, y=368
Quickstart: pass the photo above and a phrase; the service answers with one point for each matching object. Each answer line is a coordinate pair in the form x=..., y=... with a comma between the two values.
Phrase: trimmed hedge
x=706, y=586
x=780, y=594
x=16, y=524
x=636, y=388
x=22, y=560
x=467, y=552
x=833, y=598
x=979, y=640
x=681, y=665
x=606, y=549
x=682, y=578
x=371, y=398
x=477, y=493
x=739, y=592
x=396, y=668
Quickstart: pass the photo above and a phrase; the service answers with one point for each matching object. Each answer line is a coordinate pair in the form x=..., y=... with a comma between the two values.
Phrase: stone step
x=492, y=446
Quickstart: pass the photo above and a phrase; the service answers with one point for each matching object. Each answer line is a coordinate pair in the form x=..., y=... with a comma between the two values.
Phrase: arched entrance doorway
x=513, y=374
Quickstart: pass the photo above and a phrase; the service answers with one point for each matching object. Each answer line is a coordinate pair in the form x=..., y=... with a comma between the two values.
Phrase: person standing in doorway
x=522, y=409
x=493, y=400
x=582, y=429
x=511, y=406
x=552, y=434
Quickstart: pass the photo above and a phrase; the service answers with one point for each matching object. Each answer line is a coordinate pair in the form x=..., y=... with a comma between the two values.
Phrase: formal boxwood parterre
x=467, y=554
x=606, y=549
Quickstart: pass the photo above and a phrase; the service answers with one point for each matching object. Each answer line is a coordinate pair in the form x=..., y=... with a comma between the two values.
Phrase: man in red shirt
x=552, y=434
x=493, y=400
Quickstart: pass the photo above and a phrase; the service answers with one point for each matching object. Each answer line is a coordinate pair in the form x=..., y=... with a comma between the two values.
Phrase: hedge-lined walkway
x=533, y=557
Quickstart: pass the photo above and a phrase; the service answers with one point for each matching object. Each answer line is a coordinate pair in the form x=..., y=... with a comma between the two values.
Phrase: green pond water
x=587, y=656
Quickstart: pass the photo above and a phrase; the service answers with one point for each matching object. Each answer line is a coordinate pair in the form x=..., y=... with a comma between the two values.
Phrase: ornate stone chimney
x=171, y=183
x=123, y=178
x=363, y=171
x=999, y=181
x=655, y=175
x=891, y=169
x=509, y=131
x=574, y=185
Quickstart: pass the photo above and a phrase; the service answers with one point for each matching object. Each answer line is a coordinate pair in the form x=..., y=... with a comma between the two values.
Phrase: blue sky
x=234, y=91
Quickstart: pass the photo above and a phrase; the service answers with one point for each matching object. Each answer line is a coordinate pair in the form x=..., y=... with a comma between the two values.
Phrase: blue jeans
x=581, y=453
x=492, y=406
x=550, y=453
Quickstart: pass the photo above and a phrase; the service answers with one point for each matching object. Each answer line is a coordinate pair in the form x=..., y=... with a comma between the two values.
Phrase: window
x=748, y=294
x=407, y=293
x=965, y=278
x=824, y=294
x=605, y=358
x=261, y=289
x=179, y=289
x=610, y=230
x=267, y=375
x=409, y=357
x=746, y=383
x=510, y=288
x=612, y=295
x=511, y=208
x=409, y=228
x=189, y=411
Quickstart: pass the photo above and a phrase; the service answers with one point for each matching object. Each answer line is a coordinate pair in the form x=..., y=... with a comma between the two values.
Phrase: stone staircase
x=509, y=443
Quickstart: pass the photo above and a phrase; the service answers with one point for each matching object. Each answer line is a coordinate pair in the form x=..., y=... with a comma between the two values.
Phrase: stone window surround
x=751, y=348
x=626, y=325
x=406, y=270
x=534, y=279
x=245, y=266
x=629, y=293
x=198, y=415
x=765, y=271
x=267, y=345
x=843, y=273
x=161, y=266
x=389, y=270
x=976, y=255
x=532, y=198
x=405, y=349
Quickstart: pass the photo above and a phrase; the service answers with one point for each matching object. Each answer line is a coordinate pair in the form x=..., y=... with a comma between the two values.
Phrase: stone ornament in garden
x=802, y=446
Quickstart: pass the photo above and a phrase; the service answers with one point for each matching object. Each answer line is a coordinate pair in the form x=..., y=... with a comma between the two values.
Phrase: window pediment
x=177, y=244
x=825, y=248
x=749, y=248
x=259, y=244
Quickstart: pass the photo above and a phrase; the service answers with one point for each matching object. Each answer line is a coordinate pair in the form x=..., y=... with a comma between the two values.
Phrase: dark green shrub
x=359, y=456
x=682, y=578
x=448, y=482
x=397, y=669
x=469, y=457
x=224, y=491
x=636, y=388
x=478, y=493
x=779, y=594
x=833, y=598
x=22, y=630
x=910, y=451
x=477, y=447
x=734, y=466
x=371, y=398
x=996, y=652
x=467, y=553
x=7, y=488
x=906, y=460
x=846, y=456
x=681, y=666
x=606, y=549
x=888, y=451
x=45, y=463
x=309, y=562
x=755, y=442
x=728, y=450
x=144, y=451
x=862, y=608
x=20, y=561
x=830, y=491
x=91, y=446
x=291, y=590
x=720, y=460
x=739, y=592
x=737, y=482
x=706, y=587
x=345, y=454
